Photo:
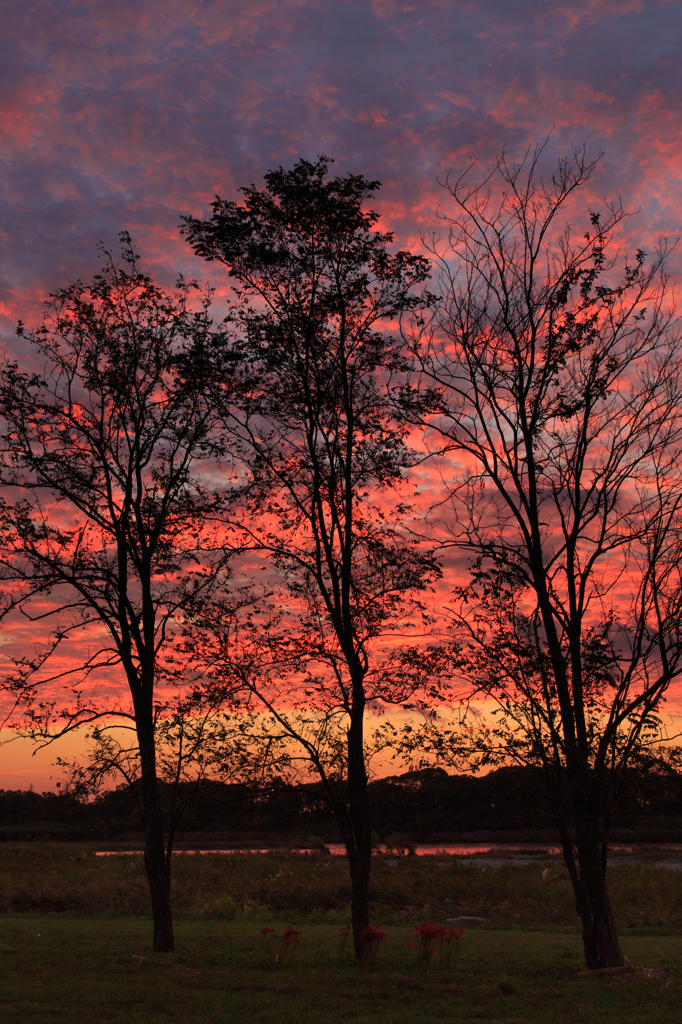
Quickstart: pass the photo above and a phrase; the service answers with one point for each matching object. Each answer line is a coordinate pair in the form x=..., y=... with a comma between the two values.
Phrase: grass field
x=85, y=970
x=75, y=948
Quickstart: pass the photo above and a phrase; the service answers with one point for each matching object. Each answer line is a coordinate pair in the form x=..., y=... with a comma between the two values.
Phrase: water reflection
x=491, y=855
x=426, y=849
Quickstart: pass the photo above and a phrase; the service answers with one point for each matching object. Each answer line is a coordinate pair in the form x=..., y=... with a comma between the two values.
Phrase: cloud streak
x=126, y=114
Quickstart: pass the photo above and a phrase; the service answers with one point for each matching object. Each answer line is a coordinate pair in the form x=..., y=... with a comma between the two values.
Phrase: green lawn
x=85, y=969
x=75, y=937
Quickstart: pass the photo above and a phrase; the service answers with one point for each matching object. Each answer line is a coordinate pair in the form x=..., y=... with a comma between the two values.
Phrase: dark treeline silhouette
x=428, y=806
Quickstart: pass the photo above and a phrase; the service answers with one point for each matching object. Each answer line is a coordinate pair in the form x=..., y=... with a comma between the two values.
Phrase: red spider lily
x=267, y=937
x=287, y=942
x=428, y=933
x=449, y=945
x=291, y=936
x=343, y=935
x=370, y=939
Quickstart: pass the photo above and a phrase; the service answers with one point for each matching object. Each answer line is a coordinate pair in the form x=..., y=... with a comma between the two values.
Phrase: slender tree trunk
x=359, y=899
x=158, y=875
x=358, y=809
x=600, y=939
x=588, y=877
x=156, y=863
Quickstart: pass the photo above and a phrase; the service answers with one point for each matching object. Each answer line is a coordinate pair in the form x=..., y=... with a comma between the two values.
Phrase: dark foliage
x=426, y=806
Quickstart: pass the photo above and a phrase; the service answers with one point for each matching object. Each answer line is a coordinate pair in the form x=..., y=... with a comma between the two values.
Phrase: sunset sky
x=126, y=115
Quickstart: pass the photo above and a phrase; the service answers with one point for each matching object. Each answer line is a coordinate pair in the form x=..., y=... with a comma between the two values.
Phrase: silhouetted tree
x=317, y=289
x=113, y=531
x=558, y=380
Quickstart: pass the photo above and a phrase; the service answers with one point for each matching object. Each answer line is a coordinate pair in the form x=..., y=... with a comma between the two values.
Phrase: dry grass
x=69, y=877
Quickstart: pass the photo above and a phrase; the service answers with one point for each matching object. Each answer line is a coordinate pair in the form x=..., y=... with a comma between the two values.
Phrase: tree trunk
x=359, y=900
x=156, y=863
x=358, y=812
x=588, y=877
x=158, y=875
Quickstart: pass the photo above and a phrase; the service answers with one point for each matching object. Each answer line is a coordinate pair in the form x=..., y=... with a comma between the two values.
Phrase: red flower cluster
x=343, y=935
x=281, y=947
x=370, y=938
x=428, y=934
x=291, y=936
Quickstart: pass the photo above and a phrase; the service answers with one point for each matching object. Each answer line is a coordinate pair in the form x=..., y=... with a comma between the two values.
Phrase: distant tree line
x=427, y=806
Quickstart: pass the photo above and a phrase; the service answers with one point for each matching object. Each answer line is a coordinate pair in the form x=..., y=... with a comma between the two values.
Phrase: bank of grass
x=63, y=877
x=81, y=970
